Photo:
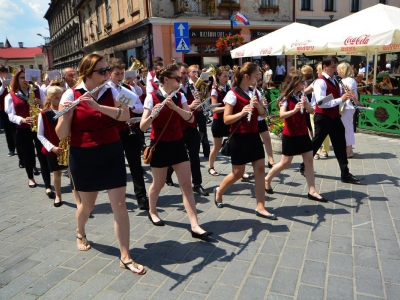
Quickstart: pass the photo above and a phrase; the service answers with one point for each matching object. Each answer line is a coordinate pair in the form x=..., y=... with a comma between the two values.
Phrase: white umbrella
x=295, y=38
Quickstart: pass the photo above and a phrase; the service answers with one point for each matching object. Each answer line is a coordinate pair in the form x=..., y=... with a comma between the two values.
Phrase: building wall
x=37, y=61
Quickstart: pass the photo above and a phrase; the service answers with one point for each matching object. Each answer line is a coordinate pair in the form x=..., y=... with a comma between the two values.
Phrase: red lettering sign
x=361, y=40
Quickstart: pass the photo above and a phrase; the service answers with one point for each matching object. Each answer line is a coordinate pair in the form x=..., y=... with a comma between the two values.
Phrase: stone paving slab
x=345, y=249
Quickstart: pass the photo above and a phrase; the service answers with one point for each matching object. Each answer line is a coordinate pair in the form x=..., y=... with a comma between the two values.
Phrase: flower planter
x=276, y=141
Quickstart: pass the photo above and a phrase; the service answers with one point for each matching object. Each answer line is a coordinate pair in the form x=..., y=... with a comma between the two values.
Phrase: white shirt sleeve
x=230, y=98
x=320, y=92
x=183, y=98
x=67, y=96
x=214, y=92
x=283, y=103
x=138, y=90
x=2, y=89
x=148, y=102
x=10, y=110
x=352, y=84
x=138, y=107
x=149, y=88
x=45, y=142
x=42, y=96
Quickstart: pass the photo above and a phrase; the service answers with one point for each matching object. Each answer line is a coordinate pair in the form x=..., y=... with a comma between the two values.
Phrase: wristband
x=119, y=113
x=191, y=116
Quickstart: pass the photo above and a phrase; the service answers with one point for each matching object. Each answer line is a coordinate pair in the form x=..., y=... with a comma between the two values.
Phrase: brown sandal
x=135, y=265
x=85, y=243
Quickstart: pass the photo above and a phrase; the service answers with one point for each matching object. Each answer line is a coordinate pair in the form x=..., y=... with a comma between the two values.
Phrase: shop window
x=330, y=5
x=354, y=5
x=382, y=1
x=306, y=5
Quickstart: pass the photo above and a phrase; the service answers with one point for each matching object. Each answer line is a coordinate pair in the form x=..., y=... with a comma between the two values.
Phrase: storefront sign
x=209, y=34
x=259, y=33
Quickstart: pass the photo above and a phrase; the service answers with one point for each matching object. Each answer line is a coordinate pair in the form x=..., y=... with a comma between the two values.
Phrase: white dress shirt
x=320, y=92
x=69, y=94
x=138, y=106
x=149, y=86
x=149, y=103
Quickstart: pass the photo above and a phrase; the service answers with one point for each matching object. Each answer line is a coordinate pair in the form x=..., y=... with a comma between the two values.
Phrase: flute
x=76, y=102
x=339, y=79
x=156, y=111
x=303, y=94
x=251, y=103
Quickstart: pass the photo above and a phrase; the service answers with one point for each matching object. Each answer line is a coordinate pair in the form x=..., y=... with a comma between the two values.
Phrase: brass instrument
x=34, y=109
x=200, y=84
x=63, y=158
x=136, y=64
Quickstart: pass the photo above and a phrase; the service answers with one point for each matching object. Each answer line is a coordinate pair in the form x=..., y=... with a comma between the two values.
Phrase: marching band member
x=327, y=117
x=242, y=105
x=165, y=120
x=96, y=159
x=69, y=78
x=49, y=139
x=131, y=143
x=152, y=80
x=191, y=136
x=18, y=108
x=218, y=128
x=200, y=117
x=295, y=138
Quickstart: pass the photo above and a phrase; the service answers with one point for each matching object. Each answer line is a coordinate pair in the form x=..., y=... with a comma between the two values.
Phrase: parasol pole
x=366, y=67
x=375, y=63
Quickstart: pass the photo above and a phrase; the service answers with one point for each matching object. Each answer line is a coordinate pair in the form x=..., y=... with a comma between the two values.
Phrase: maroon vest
x=49, y=125
x=220, y=99
x=173, y=132
x=91, y=128
x=332, y=112
x=21, y=109
x=242, y=99
x=295, y=125
x=190, y=99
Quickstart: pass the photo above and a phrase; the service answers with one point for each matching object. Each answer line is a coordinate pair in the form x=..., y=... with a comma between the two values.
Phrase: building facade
x=22, y=57
x=65, y=35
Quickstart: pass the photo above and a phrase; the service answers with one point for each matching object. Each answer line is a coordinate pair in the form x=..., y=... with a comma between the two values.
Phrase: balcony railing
x=196, y=7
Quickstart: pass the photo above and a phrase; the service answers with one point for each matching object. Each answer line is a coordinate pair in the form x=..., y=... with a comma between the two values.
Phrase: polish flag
x=242, y=19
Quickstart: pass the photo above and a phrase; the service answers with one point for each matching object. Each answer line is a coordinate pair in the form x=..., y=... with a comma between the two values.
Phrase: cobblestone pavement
x=345, y=249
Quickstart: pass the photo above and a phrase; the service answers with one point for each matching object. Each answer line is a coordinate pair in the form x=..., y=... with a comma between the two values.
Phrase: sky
x=22, y=20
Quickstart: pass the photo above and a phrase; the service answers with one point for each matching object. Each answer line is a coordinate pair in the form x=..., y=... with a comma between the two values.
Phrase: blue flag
x=233, y=20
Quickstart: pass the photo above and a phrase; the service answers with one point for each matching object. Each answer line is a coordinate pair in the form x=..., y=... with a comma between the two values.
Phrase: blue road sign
x=182, y=44
x=181, y=30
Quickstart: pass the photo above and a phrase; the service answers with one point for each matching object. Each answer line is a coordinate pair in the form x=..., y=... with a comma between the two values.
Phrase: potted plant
x=275, y=131
x=231, y=41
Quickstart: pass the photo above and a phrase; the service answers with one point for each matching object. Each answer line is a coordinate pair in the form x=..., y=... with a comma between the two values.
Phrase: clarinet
x=156, y=111
x=303, y=94
x=339, y=79
x=251, y=104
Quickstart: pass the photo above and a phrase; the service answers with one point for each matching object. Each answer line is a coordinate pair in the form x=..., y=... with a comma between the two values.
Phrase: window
x=30, y=66
x=329, y=5
x=108, y=11
x=382, y=1
x=269, y=2
x=355, y=6
x=40, y=67
x=305, y=5
x=98, y=19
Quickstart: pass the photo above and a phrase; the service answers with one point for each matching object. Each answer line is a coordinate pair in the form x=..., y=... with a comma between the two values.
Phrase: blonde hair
x=49, y=93
x=345, y=69
x=307, y=71
x=319, y=68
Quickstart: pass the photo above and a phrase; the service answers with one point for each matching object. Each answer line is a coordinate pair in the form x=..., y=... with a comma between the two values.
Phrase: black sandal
x=135, y=265
x=247, y=179
x=215, y=173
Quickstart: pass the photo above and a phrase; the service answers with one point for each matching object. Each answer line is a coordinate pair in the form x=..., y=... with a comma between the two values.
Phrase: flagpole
x=230, y=12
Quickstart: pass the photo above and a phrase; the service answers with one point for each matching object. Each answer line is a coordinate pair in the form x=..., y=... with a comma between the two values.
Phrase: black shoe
x=169, y=182
x=200, y=190
x=57, y=204
x=302, y=169
x=270, y=217
x=349, y=178
x=51, y=195
x=209, y=121
x=36, y=171
x=32, y=185
x=270, y=165
x=217, y=204
x=143, y=203
x=158, y=223
x=91, y=216
x=204, y=236
x=269, y=191
x=311, y=197
x=11, y=153
x=21, y=165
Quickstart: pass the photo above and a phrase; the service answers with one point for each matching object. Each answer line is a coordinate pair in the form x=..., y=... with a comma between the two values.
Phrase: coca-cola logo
x=239, y=53
x=297, y=43
x=361, y=40
x=266, y=51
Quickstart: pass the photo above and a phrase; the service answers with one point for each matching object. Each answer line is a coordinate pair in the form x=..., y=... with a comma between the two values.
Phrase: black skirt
x=219, y=129
x=246, y=148
x=98, y=168
x=53, y=164
x=295, y=145
x=262, y=126
x=168, y=153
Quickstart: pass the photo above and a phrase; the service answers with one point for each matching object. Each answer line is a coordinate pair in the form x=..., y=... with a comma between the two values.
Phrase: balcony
x=202, y=8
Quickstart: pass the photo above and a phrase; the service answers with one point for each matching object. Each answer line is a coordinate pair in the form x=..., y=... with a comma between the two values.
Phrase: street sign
x=182, y=44
x=181, y=29
x=182, y=41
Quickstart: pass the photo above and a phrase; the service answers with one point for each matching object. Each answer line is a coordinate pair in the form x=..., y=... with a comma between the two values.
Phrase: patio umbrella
x=296, y=37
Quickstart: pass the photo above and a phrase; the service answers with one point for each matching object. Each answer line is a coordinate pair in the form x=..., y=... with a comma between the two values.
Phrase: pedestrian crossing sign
x=182, y=44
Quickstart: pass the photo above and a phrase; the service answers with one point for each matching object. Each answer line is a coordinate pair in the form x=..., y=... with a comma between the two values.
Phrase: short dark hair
x=328, y=59
x=116, y=63
x=182, y=64
x=3, y=69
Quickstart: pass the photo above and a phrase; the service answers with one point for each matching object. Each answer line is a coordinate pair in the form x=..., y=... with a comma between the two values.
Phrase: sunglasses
x=177, y=78
x=103, y=71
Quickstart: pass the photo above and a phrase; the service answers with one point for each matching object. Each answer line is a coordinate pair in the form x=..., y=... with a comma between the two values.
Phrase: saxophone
x=34, y=109
x=63, y=158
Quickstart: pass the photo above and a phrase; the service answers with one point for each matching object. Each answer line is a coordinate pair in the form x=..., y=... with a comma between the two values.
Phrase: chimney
x=21, y=44
x=1, y=45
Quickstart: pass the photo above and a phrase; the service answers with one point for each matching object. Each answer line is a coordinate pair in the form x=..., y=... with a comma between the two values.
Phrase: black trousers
x=334, y=128
x=202, y=124
x=27, y=141
x=191, y=138
x=9, y=129
x=132, y=145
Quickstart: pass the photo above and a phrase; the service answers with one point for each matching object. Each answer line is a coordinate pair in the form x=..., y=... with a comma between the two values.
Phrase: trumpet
x=156, y=111
x=251, y=103
x=136, y=64
x=76, y=102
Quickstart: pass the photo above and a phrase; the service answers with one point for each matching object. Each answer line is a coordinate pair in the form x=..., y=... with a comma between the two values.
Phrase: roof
x=16, y=52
